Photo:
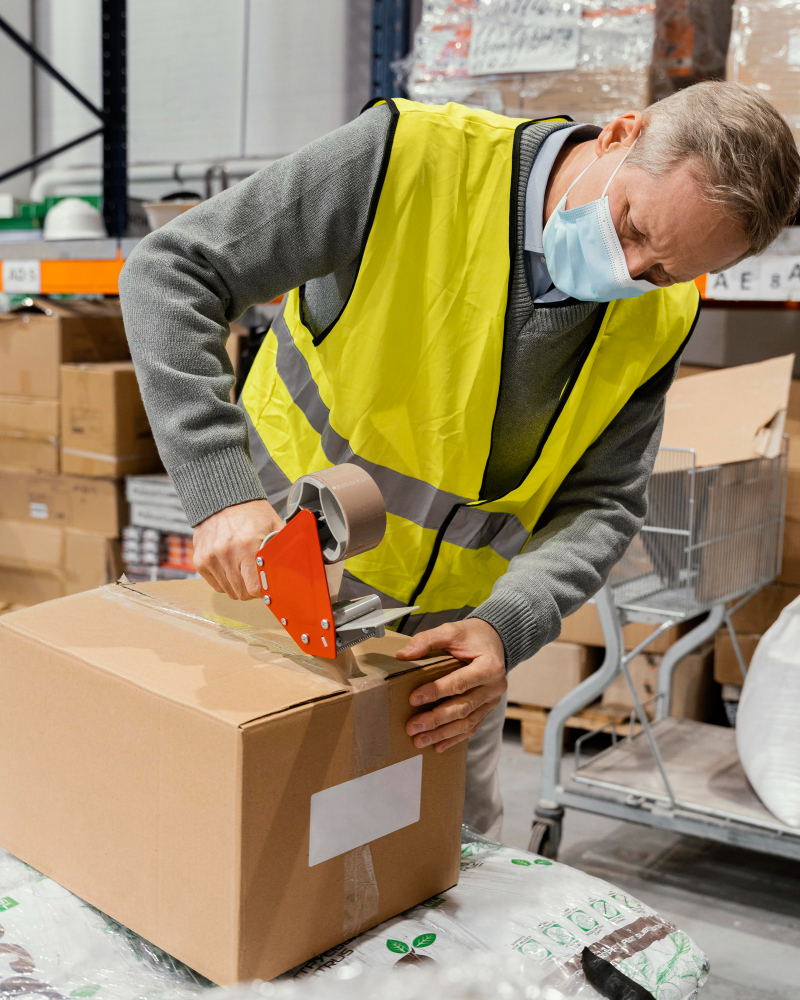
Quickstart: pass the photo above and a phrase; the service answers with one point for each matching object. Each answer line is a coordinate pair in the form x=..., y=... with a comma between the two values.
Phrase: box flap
x=179, y=639
x=732, y=414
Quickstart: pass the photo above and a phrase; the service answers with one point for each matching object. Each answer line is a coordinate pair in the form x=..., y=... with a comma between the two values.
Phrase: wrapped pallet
x=765, y=53
x=591, y=61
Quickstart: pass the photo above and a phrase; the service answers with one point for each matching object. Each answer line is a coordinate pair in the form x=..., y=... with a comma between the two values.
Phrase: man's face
x=668, y=230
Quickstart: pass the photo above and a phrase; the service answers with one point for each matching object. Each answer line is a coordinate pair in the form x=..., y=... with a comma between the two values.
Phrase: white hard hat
x=74, y=219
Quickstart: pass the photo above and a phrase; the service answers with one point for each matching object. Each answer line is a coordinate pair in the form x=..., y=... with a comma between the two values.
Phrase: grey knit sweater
x=302, y=220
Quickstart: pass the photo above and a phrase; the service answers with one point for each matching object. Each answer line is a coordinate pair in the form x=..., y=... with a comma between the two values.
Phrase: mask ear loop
x=624, y=158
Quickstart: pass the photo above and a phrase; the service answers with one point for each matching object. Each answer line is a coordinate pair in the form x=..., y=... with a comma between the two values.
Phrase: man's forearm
x=297, y=220
x=586, y=529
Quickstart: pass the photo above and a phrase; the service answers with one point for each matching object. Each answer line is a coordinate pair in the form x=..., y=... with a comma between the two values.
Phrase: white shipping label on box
x=757, y=279
x=22, y=277
x=357, y=812
x=522, y=36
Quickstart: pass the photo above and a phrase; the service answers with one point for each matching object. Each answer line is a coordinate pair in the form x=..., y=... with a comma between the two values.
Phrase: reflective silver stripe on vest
x=404, y=496
x=275, y=484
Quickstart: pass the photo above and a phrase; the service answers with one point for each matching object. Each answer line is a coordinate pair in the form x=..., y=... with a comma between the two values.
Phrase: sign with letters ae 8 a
x=22, y=277
x=759, y=279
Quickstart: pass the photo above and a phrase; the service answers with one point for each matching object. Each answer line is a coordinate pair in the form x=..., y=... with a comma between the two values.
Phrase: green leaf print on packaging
x=665, y=967
x=7, y=902
x=541, y=861
x=86, y=991
x=583, y=920
x=424, y=940
x=410, y=955
x=519, y=861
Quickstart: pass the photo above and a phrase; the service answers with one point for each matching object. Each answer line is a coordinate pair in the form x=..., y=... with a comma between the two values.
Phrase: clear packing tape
x=514, y=927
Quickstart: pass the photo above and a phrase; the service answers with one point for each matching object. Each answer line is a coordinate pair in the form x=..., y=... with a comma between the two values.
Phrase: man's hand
x=472, y=691
x=226, y=543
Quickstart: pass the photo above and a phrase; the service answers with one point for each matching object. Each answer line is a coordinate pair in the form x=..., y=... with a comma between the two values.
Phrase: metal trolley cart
x=712, y=536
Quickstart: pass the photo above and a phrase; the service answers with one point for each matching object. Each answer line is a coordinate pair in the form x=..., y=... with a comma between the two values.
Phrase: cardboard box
x=35, y=340
x=691, y=684
x=762, y=610
x=554, y=671
x=40, y=562
x=104, y=427
x=726, y=666
x=732, y=414
x=29, y=433
x=584, y=628
x=175, y=760
x=96, y=505
x=762, y=53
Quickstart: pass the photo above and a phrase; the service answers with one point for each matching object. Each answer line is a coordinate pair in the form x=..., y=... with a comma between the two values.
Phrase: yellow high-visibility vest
x=405, y=381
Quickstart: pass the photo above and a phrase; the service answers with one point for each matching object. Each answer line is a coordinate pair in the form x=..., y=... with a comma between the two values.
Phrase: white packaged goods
x=539, y=916
x=514, y=918
x=767, y=733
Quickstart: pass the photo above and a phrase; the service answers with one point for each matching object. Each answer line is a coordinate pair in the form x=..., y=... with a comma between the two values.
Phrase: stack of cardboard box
x=71, y=425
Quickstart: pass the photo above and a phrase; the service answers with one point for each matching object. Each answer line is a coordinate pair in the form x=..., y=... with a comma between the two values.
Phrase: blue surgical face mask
x=583, y=253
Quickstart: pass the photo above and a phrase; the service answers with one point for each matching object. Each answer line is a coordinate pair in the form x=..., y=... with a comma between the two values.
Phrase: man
x=486, y=314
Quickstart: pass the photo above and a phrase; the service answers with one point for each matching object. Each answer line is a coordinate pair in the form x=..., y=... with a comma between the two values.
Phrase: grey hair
x=741, y=151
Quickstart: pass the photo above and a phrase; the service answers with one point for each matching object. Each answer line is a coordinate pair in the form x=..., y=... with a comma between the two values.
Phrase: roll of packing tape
x=349, y=508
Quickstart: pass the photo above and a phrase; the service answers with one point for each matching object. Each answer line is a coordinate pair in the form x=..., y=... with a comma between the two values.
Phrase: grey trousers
x=483, y=803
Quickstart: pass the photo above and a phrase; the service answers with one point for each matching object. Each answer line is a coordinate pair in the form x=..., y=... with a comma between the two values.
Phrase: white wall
x=210, y=79
x=16, y=98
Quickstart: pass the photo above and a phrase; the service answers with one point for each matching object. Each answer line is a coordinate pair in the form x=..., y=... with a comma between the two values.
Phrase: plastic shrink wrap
x=611, y=75
x=765, y=53
x=767, y=733
x=535, y=917
x=514, y=919
x=627, y=54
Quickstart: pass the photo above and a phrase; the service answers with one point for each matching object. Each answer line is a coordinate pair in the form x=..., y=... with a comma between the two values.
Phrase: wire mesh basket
x=711, y=534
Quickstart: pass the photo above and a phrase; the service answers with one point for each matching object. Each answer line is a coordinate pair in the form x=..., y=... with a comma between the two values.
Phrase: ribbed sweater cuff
x=523, y=632
x=218, y=480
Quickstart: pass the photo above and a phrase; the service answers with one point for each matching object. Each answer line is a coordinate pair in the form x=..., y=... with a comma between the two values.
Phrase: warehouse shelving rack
x=81, y=266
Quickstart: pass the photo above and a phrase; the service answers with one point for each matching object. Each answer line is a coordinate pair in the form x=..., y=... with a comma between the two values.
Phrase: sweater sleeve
x=298, y=219
x=585, y=529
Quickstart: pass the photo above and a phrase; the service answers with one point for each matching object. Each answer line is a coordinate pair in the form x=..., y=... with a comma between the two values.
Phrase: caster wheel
x=545, y=838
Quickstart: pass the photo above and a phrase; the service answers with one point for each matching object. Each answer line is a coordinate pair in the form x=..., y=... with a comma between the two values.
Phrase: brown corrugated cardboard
x=104, y=428
x=96, y=505
x=36, y=339
x=691, y=684
x=555, y=670
x=41, y=561
x=764, y=55
x=761, y=611
x=726, y=666
x=29, y=433
x=190, y=755
x=584, y=627
x=732, y=414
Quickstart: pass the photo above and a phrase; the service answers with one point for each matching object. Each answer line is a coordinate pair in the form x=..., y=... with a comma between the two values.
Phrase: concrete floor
x=742, y=908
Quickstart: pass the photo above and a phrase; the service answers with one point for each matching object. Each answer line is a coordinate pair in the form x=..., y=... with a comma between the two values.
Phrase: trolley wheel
x=545, y=838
